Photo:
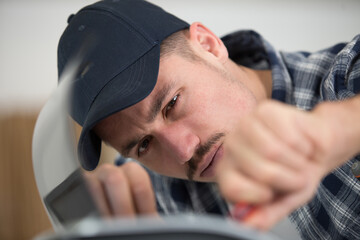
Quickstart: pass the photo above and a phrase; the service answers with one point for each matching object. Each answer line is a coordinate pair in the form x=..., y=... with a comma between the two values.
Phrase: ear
x=204, y=39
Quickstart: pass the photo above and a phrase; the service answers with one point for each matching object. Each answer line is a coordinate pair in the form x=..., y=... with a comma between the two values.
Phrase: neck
x=259, y=82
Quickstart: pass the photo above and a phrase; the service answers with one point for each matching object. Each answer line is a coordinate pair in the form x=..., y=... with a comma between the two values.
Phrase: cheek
x=161, y=162
x=167, y=167
x=221, y=112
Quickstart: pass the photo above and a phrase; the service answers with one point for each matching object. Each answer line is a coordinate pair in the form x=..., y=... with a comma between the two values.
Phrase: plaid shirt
x=301, y=79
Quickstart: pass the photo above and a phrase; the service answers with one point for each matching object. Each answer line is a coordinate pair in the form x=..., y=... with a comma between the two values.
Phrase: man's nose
x=178, y=141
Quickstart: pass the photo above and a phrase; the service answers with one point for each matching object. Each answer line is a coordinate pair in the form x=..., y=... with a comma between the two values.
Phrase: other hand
x=124, y=191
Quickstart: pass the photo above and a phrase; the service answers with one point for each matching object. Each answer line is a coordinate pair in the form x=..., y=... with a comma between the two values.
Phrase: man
x=189, y=105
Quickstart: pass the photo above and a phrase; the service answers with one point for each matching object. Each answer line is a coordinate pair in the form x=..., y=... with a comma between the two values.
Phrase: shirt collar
x=250, y=49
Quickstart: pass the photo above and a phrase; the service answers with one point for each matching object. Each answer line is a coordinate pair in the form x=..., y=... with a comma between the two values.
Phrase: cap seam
x=92, y=102
x=124, y=20
x=130, y=28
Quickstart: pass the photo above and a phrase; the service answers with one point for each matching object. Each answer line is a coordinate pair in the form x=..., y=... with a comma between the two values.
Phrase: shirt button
x=355, y=168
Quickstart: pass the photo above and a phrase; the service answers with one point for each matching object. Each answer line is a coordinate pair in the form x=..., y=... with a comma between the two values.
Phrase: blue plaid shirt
x=301, y=79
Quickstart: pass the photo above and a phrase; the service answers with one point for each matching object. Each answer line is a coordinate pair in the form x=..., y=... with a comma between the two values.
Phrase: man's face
x=180, y=128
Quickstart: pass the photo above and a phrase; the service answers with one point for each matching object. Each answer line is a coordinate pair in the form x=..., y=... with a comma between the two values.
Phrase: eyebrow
x=158, y=102
x=154, y=111
x=126, y=150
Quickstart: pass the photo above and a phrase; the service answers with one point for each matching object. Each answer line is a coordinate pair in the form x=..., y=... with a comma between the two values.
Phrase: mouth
x=207, y=169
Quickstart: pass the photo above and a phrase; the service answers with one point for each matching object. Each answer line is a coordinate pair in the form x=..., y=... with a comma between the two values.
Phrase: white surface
x=53, y=144
x=53, y=148
x=30, y=31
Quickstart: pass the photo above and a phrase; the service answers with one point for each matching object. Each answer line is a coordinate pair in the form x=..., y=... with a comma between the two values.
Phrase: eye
x=171, y=104
x=143, y=146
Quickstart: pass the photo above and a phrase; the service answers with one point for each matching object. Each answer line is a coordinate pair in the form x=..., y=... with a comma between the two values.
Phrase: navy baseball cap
x=122, y=67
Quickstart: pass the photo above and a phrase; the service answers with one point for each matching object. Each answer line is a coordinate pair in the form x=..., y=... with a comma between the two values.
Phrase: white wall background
x=30, y=29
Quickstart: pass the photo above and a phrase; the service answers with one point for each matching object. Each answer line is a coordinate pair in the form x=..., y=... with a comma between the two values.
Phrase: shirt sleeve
x=343, y=79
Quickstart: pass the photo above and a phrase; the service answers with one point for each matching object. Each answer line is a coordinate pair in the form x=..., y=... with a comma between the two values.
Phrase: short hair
x=178, y=43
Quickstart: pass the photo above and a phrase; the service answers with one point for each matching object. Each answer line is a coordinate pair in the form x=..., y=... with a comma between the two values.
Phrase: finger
x=263, y=141
x=235, y=188
x=117, y=190
x=266, y=172
x=97, y=192
x=267, y=215
x=141, y=188
x=281, y=121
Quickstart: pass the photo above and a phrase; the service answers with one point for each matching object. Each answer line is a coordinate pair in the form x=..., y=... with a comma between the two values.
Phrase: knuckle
x=105, y=168
x=292, y=141
x=268, y=175
x=137, y=174
x=131, y=167
x=114, y=177
x=134, y=169
x=271, y=151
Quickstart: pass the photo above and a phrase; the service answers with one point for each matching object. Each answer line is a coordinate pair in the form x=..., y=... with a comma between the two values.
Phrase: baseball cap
x=122, y=66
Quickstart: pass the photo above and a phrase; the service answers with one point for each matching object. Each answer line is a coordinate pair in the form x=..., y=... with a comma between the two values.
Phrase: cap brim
x=141, y=78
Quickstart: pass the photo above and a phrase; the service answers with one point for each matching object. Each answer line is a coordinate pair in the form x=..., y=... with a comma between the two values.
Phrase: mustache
x=200, y=152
